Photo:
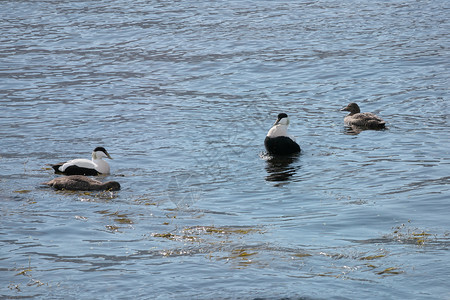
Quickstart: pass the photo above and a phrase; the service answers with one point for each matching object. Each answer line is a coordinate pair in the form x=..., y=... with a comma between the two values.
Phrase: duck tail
x=376, y=124
x=56, y=167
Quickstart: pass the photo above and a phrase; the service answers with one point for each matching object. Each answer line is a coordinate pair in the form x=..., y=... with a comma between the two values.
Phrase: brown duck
x=362, y=120
x=82, y=183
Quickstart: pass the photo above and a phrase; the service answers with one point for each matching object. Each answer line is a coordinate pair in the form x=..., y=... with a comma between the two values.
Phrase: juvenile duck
x=277, y=141
x=82, y=183
x=362, y=120
x=83, y=166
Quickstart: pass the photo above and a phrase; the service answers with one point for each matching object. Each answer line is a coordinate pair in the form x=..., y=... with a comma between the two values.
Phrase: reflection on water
x=279, y=168
x=352, y=130
x=355, y=130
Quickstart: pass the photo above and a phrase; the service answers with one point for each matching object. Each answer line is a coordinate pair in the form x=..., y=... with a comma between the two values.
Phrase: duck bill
x=107, y=155
x=344, y=109
x=277, y=122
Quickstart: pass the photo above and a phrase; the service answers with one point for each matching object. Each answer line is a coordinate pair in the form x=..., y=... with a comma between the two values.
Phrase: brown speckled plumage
x=363, y=120
x=82, y=183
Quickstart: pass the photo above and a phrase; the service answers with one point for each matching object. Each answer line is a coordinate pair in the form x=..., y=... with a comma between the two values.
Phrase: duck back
x=281, y=145
x=81, y=183
x=367, y=120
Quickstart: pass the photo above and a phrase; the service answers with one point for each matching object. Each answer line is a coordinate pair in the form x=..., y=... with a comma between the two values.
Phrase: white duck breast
x=277, y=141
x=82, y=166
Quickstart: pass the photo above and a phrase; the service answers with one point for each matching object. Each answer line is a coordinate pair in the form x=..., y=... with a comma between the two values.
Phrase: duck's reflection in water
x=355, y=130
x=279, y=169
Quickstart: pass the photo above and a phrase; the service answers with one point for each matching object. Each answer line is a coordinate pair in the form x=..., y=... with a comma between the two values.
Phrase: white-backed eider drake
x=82, y=166
x=362, y=120
x=277, y=141
x=82, y=183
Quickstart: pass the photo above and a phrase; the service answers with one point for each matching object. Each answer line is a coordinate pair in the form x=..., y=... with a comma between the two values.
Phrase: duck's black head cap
x=282, y=115
x=100, y=149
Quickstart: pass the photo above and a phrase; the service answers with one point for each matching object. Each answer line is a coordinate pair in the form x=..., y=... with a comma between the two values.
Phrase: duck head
x=282, y=119
x=111, y=186
x=99, y=153
x=353, y=108
x=279, y=128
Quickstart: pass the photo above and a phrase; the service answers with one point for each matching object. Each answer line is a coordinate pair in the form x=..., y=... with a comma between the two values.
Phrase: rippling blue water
x=182, y=95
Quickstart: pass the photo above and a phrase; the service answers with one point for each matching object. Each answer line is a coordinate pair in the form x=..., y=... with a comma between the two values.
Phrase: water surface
x=182, y=95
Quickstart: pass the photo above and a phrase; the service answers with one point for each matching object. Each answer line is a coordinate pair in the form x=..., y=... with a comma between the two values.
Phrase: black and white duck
x=81, y=166
x=277, y=141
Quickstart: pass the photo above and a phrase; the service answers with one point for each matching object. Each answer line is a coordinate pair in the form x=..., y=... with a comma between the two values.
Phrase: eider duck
x=277, y=141
x=82, y=166
x=362, y=120
x=82, y=183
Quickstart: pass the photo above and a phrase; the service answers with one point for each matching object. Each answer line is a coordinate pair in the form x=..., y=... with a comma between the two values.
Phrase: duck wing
x=80, y=162
x=77, y=167
x=81, y=178
x=74, y=183
x=281, y=145
x=368, y=120
x=371, y=116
